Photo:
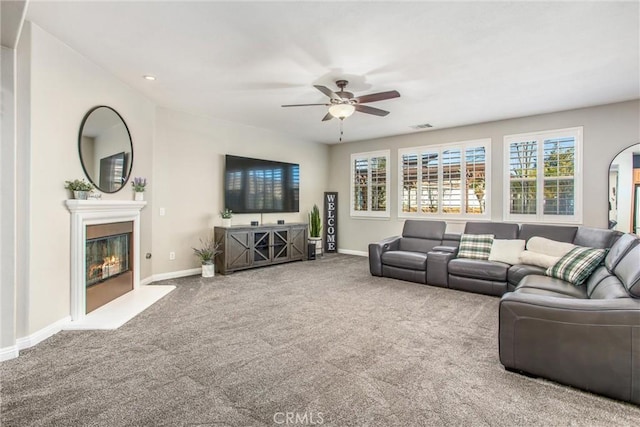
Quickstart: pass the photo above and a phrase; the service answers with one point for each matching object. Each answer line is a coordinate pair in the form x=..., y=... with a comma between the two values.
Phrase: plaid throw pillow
x=475, y=246
x=577, y=265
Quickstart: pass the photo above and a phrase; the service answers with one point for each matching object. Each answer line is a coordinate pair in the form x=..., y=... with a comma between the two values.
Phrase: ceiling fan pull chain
x=341, y=131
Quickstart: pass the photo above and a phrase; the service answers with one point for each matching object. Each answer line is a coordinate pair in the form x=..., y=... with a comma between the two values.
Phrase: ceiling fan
x=343, y=104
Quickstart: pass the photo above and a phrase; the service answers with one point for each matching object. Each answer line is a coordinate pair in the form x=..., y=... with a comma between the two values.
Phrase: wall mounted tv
x=261, y=186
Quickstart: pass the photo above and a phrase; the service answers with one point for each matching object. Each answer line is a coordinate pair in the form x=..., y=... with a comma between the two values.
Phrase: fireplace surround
x=88, y=213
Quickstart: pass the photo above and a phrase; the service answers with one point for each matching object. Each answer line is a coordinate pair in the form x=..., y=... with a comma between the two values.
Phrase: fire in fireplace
x=106, y=257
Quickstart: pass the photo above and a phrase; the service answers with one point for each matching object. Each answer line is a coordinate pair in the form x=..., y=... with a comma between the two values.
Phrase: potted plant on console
x=226, y=215
x=139, y=185
x=207, y=253
x=80, y=188
x=315, y=227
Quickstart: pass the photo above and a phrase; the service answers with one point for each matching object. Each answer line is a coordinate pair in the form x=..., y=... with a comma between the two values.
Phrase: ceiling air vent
x=423, y=126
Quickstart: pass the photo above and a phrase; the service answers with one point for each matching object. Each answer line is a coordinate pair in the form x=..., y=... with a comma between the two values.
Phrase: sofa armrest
x=586, y=343
x=377, y=249
x=437, y=262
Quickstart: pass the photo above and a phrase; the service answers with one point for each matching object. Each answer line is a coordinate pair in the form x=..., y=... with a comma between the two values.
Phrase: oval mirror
x=624, y=191
x=106, y=150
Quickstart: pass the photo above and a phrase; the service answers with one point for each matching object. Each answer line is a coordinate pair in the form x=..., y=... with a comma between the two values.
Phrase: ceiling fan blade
x=327, y=117
x=303, y=105
x=371, y=110
x=377, y=96
x=331, y=94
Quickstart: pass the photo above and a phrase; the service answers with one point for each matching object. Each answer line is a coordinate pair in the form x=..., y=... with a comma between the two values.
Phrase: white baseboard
x=8, y=353
x=42, y=334
x=173, y=275
x=351, y=252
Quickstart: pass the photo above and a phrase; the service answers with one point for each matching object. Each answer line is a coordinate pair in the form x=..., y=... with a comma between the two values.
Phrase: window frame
x=370, y=213
x=440, y=148
x=539, y=137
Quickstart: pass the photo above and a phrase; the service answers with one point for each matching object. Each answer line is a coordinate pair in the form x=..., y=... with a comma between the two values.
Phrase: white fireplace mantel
x=91, y=212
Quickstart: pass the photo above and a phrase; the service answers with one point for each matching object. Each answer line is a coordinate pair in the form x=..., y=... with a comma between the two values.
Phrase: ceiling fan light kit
x=342, y=111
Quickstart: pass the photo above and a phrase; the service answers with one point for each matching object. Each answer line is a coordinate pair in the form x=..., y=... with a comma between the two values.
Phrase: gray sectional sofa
x=586, y=336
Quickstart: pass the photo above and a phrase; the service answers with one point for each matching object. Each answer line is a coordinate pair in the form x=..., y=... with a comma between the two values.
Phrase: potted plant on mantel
x=80, y=188
x=138, y=185
x=315, y=227
x=207, y=253
x=226, y=215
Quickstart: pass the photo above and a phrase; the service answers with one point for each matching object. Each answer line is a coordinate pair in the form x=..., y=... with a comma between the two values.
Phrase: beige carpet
x=308, y=343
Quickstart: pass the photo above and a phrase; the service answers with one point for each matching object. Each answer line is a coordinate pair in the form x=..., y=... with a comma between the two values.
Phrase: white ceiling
x=454, y=63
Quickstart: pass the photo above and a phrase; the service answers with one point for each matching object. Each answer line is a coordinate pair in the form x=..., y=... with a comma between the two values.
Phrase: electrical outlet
x=172, y=256
x=163, y=212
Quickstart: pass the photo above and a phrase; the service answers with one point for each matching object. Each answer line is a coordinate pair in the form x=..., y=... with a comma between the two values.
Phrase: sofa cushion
x=543, y=292
x=555, y=232
x=577, y=265
x=600, y=238
x=517, y=272
x=405, y=259
x=479, y=269
x=500, y=230
x=550, y=285
x=475, y=246
x=628, y=271
x=424, y=229
x=619, y=249
x=506, y=250
x=412, y=244
x=604, y=285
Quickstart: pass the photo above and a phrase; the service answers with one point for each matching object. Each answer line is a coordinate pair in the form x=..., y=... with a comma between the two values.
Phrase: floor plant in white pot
x=315, y=229
x=206, y=253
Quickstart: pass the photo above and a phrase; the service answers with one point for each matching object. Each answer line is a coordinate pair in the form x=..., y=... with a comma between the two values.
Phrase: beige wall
x=8, y=199
x=64, y=86
x=607, y=130
x=188, y=170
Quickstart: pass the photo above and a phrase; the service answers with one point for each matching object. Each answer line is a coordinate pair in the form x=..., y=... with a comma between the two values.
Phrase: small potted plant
x=315, y=228
x=206, y=253
x=139, y=185
x=80, y=188
x=226, y=215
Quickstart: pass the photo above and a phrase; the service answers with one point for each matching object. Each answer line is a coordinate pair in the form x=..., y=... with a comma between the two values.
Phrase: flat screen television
x=261, y=186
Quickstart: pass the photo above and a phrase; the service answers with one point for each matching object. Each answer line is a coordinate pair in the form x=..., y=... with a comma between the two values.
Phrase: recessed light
x=149, y=77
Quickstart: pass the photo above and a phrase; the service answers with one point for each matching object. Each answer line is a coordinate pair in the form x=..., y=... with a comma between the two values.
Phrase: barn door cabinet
x=245, y=246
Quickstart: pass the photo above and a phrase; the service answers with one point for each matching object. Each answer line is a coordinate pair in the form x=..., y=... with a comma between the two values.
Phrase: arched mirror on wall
x=624, y=191
x=106, y=149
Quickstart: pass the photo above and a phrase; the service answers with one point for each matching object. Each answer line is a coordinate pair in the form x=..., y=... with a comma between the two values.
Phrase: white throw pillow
x=506, y=250
x=549, y=247
x=536, y=258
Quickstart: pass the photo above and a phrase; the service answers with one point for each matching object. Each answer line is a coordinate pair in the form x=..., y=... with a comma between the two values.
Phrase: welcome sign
x=331, y=222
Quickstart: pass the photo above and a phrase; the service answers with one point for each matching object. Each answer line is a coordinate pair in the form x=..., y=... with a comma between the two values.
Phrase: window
x=448, y=180
x=370, y=184
x=544, y=181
